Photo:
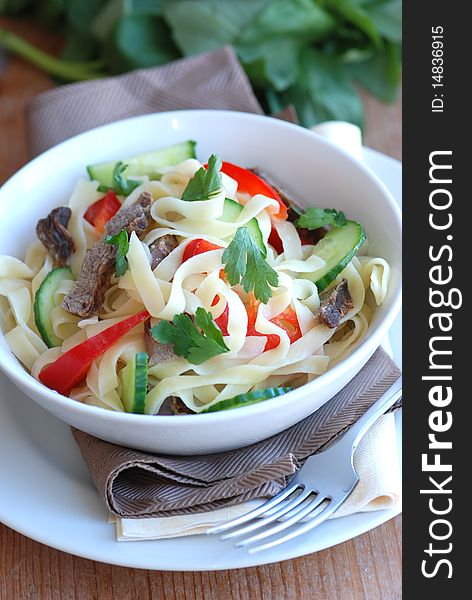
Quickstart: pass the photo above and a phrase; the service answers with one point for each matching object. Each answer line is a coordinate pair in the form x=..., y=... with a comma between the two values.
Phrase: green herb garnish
x=205, y=183
x=196, y=341
x=121, y=241
x=121, y=185
x=307, y=53
x=245, y=263
x=314, y=218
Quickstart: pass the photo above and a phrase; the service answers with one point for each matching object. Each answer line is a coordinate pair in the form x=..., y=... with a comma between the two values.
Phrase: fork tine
x=320, y=518
x=273, y=516
x=294, y=510
x=256, y=512
x=302, y=512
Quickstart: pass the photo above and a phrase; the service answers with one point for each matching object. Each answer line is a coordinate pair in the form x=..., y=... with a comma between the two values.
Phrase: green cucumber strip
x=148, y=163
x=337, y=249
x=231, y=212
x=134, y=378
x=44, y=303
x=247, y=399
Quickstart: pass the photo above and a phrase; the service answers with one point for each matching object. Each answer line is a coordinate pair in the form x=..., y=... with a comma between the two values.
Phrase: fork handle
x=354, y=435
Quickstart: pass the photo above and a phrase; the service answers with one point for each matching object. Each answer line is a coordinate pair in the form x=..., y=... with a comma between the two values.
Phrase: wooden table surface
x=365, y=568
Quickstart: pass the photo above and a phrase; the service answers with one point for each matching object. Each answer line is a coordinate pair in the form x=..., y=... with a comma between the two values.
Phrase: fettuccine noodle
x=176, y=286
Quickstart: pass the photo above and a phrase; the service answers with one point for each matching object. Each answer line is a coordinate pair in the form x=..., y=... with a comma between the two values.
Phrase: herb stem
x=65, y=70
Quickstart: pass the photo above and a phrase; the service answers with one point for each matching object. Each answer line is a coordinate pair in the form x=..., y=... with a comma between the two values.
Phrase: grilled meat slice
x=132, y=218
x=161, y=248
x=54, y=235
x=174, y=406
x=335, y=305
x=157, y=352
x=179, y=408
x=88, y=294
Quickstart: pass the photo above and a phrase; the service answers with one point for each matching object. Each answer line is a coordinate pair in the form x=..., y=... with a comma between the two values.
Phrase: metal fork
x=315, y=493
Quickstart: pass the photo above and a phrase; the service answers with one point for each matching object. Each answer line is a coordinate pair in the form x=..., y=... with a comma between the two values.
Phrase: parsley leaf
x=188, y=341
x=121, y=241
x=245, y=263
x=314, y=218
x=205, y=183
x=123, y=186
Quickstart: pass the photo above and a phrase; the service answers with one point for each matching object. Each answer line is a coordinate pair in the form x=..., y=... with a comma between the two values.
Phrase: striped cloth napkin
x=211, y=80
x=153, y=496
x=379, y=488
x=136, y=484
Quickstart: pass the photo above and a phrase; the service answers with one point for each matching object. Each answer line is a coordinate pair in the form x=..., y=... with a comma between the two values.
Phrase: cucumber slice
x=143, y=164
x=231, y=212
x=337, y=249
x=247, y=399
x=44, y=303
x=134, y=379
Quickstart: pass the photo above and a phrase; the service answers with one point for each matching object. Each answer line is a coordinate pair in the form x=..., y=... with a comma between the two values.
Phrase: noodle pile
x=175, y=287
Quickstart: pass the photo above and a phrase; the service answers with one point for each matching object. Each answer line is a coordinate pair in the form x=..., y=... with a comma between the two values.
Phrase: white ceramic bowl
x=317, y=173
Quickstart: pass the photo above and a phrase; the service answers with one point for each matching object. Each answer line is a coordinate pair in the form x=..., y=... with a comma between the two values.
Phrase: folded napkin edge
x=265, y=482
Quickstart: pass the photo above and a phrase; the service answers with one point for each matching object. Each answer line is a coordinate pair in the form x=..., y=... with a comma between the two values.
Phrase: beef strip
x=309, y=236
x=54, y=235
x=132, y=218
x=88, y=294
x=174, y=406
x=157, y=352
x=161, y=248
x=335, y=304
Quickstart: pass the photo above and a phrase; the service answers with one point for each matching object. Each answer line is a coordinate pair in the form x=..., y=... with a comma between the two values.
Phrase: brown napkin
x=211, y=80
x=135, y=484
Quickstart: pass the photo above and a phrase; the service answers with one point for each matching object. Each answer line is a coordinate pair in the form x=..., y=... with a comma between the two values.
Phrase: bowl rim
x=365, y=348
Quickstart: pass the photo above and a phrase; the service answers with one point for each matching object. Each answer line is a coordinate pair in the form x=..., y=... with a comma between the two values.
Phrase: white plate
x=47, y=494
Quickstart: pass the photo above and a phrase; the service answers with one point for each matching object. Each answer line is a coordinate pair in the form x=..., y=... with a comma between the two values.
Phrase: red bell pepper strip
x=222, y=320
x=286, y=320
x=101, y=211
x=275, y=241
x=198, y=246
x=306, y=238
x=252, y=184
x=72, y=366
